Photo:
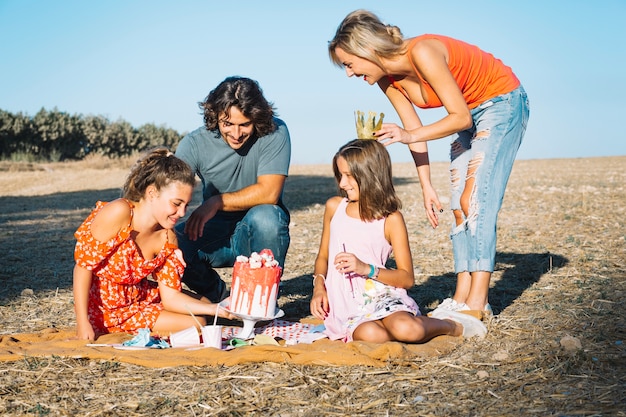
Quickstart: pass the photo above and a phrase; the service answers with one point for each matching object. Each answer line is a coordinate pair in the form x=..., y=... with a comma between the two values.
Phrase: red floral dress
x=121, y=298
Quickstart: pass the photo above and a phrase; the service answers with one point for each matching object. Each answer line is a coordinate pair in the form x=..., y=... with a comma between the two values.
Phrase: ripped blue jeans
x=481, y=162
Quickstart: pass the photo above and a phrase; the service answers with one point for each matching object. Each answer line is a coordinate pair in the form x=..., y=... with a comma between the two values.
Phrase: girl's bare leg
x=419, y=329
x=372, y=331
x=404, y=327
x=173, y=322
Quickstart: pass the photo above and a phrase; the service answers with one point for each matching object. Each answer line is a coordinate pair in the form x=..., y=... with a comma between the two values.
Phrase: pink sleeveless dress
x=357, y=299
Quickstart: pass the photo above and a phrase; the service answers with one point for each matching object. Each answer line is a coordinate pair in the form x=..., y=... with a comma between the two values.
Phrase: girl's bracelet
x=374, y=271
x=318, y=275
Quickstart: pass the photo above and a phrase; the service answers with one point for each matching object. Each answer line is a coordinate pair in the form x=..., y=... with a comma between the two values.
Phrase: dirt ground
x=555, y=346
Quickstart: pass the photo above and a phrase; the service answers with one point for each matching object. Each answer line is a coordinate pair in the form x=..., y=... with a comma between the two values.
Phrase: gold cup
x=365, y=128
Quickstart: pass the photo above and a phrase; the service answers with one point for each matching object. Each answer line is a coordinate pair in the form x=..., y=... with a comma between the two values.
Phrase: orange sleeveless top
x=479, y=74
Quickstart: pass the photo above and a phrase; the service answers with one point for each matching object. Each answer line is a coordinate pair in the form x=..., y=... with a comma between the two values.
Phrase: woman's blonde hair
x=363, y=34
x=370, y=166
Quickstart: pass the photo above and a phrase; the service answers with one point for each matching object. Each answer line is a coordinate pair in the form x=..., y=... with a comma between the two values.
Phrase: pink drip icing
x=245, y=283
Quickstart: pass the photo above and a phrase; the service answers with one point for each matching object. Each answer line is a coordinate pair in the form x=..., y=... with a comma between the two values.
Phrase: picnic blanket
x=62, y=342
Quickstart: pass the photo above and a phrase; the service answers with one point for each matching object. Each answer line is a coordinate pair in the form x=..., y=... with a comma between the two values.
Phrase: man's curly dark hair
x=247, y=96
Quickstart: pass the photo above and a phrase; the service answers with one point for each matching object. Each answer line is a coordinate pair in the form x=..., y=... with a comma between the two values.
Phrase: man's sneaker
x=471, y=325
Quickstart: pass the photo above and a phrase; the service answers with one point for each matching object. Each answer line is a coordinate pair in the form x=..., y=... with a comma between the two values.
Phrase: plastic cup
x=212, y=336
x=185, y=338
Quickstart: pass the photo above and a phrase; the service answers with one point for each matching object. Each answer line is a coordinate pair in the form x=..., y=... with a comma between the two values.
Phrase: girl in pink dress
x=124, y=242
x=353, y=292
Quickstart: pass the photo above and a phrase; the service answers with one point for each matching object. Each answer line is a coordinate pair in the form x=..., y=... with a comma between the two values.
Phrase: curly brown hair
x=247, y=96
x=158, y=167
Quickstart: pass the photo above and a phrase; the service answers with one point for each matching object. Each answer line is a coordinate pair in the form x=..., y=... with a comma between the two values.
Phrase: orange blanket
x=322, y=352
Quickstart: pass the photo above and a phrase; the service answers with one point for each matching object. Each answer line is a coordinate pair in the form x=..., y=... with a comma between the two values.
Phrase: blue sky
x=152, y=61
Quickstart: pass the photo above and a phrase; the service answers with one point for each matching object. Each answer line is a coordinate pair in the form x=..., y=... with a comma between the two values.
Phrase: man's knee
x=265, y=227
x=266, y=218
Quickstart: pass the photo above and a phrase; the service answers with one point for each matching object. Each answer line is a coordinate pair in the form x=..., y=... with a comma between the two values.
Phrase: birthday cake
x=254, y=287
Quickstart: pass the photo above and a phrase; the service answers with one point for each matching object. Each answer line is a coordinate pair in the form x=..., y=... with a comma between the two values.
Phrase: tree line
x=58, y=136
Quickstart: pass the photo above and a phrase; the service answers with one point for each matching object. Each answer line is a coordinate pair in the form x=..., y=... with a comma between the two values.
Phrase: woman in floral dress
x=128, y=265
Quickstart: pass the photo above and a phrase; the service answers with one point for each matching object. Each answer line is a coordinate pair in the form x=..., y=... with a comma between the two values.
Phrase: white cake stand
x=249, y=322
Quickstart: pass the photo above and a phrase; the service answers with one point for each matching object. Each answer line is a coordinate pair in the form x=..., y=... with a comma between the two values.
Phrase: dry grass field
x=554, y=348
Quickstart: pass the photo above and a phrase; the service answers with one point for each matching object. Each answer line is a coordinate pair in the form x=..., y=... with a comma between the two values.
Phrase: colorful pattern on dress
x=379, y=301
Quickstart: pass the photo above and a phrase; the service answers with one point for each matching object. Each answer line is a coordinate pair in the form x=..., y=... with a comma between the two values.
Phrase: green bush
x=58, y=136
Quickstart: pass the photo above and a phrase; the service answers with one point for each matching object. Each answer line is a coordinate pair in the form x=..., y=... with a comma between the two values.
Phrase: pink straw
x=349, y=276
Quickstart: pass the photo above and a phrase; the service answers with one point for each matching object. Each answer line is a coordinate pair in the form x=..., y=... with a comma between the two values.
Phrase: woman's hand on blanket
x=84, y=331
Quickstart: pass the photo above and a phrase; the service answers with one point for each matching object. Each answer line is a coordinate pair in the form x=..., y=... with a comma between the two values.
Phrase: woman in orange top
x=487, y=113
x=124, y=242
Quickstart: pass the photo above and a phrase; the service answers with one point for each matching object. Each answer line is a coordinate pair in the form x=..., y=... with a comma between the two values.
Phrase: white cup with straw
x=212, y=334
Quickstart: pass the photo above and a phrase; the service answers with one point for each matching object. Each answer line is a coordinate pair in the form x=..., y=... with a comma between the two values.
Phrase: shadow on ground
x=519, y=271
x=37, y=243
x=36, y=239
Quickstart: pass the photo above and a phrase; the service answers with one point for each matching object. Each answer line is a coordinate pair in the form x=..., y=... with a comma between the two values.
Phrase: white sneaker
x=450, y=305
x=447, y=305
x=471, y=325
x=464, y=307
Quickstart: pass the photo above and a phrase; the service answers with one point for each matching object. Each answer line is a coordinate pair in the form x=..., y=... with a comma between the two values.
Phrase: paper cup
x=212, y=336
x=185, y=338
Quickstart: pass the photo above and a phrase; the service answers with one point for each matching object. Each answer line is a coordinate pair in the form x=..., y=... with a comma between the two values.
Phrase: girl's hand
x=84, y=331
x=391, y=133
x=347, y=263
x=432, y=205
x=319, y=302
x=223, y=313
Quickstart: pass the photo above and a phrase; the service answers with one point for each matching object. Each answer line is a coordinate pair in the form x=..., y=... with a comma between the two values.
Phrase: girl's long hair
x=370, y=166
x=158, y=167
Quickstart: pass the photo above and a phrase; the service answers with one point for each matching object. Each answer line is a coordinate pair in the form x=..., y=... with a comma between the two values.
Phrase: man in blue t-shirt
x=242, y=156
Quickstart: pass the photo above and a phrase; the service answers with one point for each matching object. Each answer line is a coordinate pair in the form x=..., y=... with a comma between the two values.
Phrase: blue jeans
x=228, y=235
x=485, y=154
